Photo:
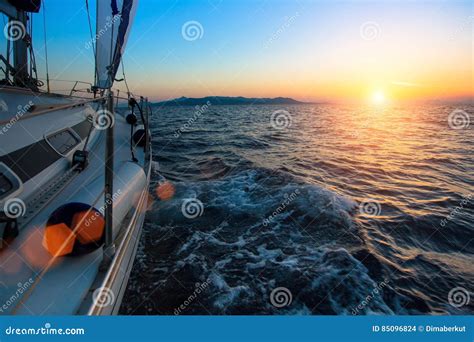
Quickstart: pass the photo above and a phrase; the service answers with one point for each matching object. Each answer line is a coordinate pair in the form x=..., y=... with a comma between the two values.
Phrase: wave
x=279, y=210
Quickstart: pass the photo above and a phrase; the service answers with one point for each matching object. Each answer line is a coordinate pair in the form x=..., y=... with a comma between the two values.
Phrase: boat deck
x=32, y=282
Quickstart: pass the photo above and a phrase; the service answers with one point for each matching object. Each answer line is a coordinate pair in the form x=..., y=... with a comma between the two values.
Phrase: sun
x=378, y=97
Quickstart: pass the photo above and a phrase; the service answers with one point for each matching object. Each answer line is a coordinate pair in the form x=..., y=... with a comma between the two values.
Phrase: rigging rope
x=45, y=46
x=33, y=72
x=92, y=41
x=125, y=77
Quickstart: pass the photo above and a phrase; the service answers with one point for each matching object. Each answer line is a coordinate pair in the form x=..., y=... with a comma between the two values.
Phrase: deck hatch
x=63, y=141
x=5, y=185
x=30, y=160
x=9, y=182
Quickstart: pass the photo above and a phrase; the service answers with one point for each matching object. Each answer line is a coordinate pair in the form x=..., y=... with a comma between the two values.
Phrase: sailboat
x=74, y=174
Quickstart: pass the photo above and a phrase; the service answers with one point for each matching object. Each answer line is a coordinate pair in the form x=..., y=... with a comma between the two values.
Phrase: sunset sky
x=308, y=50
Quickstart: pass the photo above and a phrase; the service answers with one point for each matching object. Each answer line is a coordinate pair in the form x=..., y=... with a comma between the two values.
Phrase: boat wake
x=311, y=219
x=256, y=231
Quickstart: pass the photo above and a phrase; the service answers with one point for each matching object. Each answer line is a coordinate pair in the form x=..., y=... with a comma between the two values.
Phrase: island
x=227, y=100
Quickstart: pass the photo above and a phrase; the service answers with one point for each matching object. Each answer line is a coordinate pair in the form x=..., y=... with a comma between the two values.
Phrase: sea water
x=343, y=209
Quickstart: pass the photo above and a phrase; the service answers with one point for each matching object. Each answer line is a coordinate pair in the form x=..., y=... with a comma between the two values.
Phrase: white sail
x=114, y=21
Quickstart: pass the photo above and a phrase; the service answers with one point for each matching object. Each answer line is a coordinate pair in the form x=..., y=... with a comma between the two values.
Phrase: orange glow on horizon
x=323, y=61
x=436, y=86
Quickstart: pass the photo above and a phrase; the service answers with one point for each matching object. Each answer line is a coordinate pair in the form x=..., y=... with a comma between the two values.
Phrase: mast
x=20, y=52
x=109, y=179
x=17, y=35
x=113, y=22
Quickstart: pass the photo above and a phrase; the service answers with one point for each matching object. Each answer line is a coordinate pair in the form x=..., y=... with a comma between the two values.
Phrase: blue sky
x=304, y=49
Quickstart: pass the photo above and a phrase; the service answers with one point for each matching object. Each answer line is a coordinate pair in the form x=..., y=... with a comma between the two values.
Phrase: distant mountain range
x=226, y=100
